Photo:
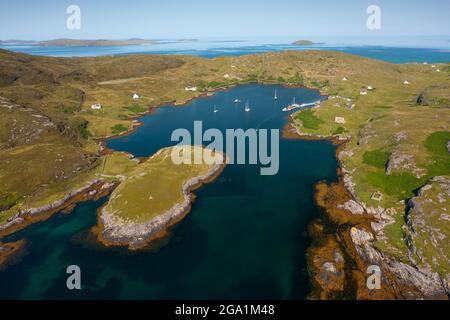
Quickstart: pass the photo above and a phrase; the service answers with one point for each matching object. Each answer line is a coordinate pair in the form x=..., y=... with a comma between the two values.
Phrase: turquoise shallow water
x=246, y=235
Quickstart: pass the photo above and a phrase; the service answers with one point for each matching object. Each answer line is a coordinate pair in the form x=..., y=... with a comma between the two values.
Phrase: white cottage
x=96, y=106
x=136, y=96
x=191, y=88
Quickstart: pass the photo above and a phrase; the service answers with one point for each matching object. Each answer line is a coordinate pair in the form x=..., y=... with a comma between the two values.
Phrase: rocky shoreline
x=11, y=253
x=94, y=190
x=113, y=231
x=344, y=245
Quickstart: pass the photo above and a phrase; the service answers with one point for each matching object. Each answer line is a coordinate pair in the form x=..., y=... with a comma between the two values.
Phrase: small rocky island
x=303, y=43
x=153, y=196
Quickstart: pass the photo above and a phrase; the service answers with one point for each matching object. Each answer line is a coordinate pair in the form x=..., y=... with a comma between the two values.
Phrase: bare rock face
x=428, y=283
x=401, y=162
x=362, y=240
x=429, y=223
x=402, y=135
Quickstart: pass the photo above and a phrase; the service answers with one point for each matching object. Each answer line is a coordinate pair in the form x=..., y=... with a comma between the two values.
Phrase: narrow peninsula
x=153, y=196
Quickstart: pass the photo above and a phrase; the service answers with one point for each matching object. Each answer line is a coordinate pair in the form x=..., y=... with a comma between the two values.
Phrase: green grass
x=309, y=119
x=152, y=187
x=396, y=234
x=436, y=143
x=339, y=130
x=135, y=108
x=84, y=132
x=118, y=128
x=395, y=243
x=401, y=186
x=216, y=84
x=8, y=200
x=376, y=158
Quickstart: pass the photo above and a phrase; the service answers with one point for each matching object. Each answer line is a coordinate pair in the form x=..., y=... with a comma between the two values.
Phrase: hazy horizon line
x=231, y=38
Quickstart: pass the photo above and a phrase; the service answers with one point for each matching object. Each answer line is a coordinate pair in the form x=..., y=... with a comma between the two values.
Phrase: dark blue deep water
x=246, y=236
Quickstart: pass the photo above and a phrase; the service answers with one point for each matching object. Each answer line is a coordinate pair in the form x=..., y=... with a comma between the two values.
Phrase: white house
x=363, y=92
x=226, y=76
x=406, y=82
x=96, y=106
x=340, y=120
x=136, y=96
x=191, y=88
x=370, y=88
x=344, y=79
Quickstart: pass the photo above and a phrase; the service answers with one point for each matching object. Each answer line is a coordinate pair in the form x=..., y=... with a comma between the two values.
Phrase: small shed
x=340, y=120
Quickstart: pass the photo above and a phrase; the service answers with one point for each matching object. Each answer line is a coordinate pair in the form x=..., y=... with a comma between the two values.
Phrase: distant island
x=81, y=43
x=93, y=43
x=303, y=43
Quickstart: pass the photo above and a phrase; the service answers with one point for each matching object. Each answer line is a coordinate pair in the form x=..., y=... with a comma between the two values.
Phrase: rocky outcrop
x=411, y=281
x=429, y=224
x=119, y=232
x=402, y=162
x=352, y=206
x=11, y=253
x=358, y=235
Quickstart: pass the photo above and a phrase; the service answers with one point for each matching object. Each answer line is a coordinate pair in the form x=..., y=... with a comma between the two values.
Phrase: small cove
x=246, y=236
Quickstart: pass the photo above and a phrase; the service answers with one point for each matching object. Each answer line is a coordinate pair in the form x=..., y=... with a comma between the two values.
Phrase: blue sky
x=46, y=19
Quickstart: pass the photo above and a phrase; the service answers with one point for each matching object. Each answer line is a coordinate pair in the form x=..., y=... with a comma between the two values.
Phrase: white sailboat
x=292, y=106
x=237, y=101
x=215, y=109
x=247, y=107
x=276, y=96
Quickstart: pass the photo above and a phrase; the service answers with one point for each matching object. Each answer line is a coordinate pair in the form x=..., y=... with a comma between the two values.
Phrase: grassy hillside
x=153, y=187
x=397, y=132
